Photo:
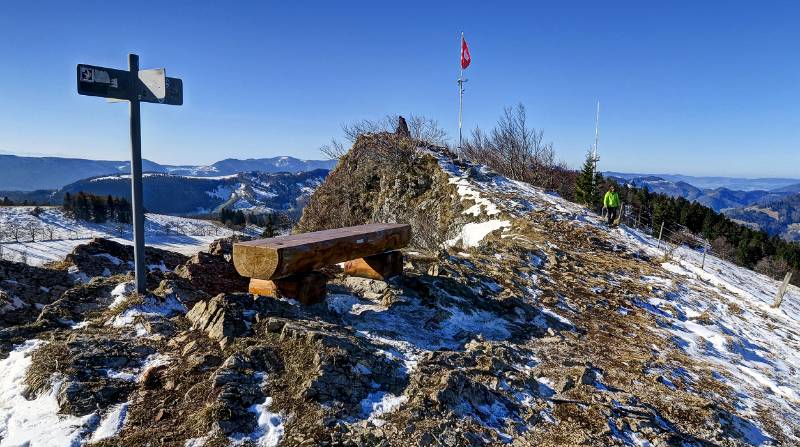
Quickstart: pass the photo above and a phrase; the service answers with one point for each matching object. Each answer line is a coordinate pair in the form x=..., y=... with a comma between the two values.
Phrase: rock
x=222, y=317
x=182, y=290
x=212, y=274
x=224, y=247
x=78, y=301
x=565, y=384
x=202, y=361
x=152, y=377
x=101, y=255
x=589, y=376
x=370, y=289
x=402, y=128
x=25, y=289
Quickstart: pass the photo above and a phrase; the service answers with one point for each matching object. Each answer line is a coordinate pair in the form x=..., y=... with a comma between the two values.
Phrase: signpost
x=135, y=86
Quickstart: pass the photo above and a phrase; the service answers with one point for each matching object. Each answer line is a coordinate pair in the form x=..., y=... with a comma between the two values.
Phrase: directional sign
x=103, y=82
x=152, y=86
x=134, y=86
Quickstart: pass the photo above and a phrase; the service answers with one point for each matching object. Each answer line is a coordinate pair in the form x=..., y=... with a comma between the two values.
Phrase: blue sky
x=698, y=88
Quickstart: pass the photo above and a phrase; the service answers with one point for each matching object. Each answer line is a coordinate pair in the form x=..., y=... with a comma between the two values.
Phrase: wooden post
x=703, y=265
x=782, y=291
x=307, y=288
x=381, y=266
x=660, y=233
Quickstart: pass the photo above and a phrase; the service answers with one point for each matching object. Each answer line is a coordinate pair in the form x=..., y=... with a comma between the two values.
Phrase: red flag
x=465, y=58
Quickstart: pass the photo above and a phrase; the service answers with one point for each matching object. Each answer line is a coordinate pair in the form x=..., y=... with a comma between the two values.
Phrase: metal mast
x=595, y=158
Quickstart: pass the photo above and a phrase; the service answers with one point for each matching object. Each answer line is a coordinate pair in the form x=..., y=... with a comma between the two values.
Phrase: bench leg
x=307, y=288
x=381, y=266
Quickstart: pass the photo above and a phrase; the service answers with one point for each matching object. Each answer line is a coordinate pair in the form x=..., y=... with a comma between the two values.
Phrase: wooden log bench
x=288, y=266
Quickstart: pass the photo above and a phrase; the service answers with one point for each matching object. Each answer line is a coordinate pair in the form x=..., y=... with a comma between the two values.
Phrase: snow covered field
x=55, y=235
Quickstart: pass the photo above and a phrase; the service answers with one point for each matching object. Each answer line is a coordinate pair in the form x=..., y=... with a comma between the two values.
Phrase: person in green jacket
x=611, y=204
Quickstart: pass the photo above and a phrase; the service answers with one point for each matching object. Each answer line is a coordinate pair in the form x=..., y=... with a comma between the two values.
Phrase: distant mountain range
x=36, y=173
x=248, y=191
x=734, y=183
x=255, y=192
x=776, y=211
x=781, y=216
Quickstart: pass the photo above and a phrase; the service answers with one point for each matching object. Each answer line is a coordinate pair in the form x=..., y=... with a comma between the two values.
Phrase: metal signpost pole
x=136, y=180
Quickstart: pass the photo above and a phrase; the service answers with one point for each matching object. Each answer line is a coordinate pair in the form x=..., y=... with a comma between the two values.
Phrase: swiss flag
x=465, y=58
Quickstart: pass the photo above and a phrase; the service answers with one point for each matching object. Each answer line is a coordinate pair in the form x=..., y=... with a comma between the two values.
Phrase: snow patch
x=473, y=233
x=379, y=403
x=35, y=422
x=111, y=424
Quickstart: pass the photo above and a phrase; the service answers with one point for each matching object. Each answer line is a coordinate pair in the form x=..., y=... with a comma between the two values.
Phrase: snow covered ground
x=719, y=315
x=723, y=315
x=56, y=234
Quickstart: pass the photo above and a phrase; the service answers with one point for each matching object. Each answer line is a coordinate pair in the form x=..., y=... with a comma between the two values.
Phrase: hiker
x=611, y=204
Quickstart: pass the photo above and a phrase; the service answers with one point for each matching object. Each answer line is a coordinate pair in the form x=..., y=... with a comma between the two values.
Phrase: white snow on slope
x=34, y=422
x=720, y=315
x=473, y=233
x=183, y=235
x=111, y=423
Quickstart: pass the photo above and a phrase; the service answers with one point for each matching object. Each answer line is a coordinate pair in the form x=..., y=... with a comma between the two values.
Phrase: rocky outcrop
x=237, y=384
x=104, y=257
x=212, y=274
x=222, y=318
x=224, y=246
x=228, y=316
x=25, y=290
x=92, y=371
x=384, y=178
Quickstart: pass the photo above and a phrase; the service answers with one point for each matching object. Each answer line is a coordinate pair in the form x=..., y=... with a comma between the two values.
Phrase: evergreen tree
x=269, y=227
x=587, y=184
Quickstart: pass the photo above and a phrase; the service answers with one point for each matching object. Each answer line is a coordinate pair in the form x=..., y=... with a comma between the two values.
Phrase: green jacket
x=611, y=200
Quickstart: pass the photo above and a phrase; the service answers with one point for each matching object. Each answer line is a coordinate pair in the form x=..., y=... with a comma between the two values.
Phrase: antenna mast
x=595, y=158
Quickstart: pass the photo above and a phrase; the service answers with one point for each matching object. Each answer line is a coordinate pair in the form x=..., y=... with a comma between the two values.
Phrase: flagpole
x=460, y=88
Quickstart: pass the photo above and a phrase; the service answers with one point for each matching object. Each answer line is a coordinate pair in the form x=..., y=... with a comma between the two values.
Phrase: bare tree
x=773, y=267
x=33, y=228
x=15, y=230
x=50, y=232
x=426, y=131
x=723, y=249
x=516, y=150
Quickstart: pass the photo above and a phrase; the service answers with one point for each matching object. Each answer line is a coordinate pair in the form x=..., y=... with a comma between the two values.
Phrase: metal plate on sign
x=104, y=82
x=173, y=94
x=155, y=81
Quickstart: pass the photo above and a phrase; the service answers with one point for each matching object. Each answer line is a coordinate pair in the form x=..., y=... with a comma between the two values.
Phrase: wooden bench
x=288, y=265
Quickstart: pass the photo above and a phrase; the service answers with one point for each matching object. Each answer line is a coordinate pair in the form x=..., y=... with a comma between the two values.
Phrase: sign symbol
x=87, y=74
